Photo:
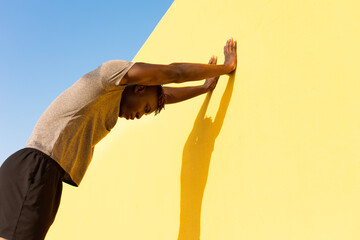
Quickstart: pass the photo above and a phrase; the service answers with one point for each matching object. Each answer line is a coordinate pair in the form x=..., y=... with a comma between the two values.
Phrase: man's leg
x=31, y=186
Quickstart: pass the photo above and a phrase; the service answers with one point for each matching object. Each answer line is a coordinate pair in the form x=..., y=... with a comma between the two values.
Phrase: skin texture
x=154, y=74
x=142, y=100
x=138, y=100
x=175, y=95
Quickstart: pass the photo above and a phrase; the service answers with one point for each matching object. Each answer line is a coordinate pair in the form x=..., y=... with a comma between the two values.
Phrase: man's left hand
x=210, y=83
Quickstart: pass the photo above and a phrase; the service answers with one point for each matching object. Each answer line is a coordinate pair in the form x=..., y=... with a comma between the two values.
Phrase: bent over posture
x=62, y=143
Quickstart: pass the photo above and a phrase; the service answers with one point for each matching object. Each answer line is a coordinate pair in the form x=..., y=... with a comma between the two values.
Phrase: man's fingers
x=230, y=45
x=213, y=60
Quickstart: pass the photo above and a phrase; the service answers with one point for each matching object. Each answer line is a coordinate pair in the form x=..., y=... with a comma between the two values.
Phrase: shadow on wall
x=196, y=161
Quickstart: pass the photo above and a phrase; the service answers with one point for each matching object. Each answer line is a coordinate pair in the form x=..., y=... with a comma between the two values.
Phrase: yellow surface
x=274, y=153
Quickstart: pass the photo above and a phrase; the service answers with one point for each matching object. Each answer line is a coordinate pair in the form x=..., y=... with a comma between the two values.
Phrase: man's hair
x=161, y=99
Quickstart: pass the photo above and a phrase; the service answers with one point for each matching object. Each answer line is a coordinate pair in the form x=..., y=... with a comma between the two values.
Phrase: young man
x=62, y=143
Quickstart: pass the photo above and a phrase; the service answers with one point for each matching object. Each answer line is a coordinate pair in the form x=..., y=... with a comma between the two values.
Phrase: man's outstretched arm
x=175, y=95
x=154, y=74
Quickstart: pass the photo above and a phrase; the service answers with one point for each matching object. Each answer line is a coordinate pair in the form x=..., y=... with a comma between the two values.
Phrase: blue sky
x=45, y=46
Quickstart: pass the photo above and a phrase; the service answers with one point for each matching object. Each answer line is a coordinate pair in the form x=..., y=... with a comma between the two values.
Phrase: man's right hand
x=230, y=54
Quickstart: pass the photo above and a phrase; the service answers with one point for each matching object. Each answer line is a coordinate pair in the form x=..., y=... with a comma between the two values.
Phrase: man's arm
x=175, y=95
x=154, y=74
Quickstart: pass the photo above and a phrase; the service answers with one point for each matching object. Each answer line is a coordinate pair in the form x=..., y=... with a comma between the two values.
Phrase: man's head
x=138, y=100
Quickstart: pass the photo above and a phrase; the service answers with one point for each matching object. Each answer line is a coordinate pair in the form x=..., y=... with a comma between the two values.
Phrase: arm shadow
x=196, y=161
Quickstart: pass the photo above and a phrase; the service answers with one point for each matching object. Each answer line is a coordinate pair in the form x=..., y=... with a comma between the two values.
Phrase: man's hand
x=156, y=74
x=175, y=95
x=210, y=83
x=230, y=53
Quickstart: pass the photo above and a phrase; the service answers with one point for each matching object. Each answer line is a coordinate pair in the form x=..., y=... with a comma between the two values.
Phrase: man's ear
x=139, y=89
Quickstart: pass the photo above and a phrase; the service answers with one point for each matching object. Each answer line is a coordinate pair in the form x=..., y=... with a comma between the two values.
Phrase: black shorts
x=30, y=192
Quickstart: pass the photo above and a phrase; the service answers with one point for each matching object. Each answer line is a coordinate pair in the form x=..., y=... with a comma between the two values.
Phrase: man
x=62, y=143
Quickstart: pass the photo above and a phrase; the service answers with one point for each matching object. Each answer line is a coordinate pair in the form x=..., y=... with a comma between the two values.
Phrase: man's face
x=137, y=101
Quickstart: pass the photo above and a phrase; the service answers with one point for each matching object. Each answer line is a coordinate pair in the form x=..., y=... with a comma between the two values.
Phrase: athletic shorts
x=30, y=192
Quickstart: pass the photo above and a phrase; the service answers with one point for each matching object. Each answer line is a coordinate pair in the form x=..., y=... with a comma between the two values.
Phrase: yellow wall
x=274, y=153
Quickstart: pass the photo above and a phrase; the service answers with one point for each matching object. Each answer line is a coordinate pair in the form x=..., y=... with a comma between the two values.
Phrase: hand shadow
x=196, y=161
